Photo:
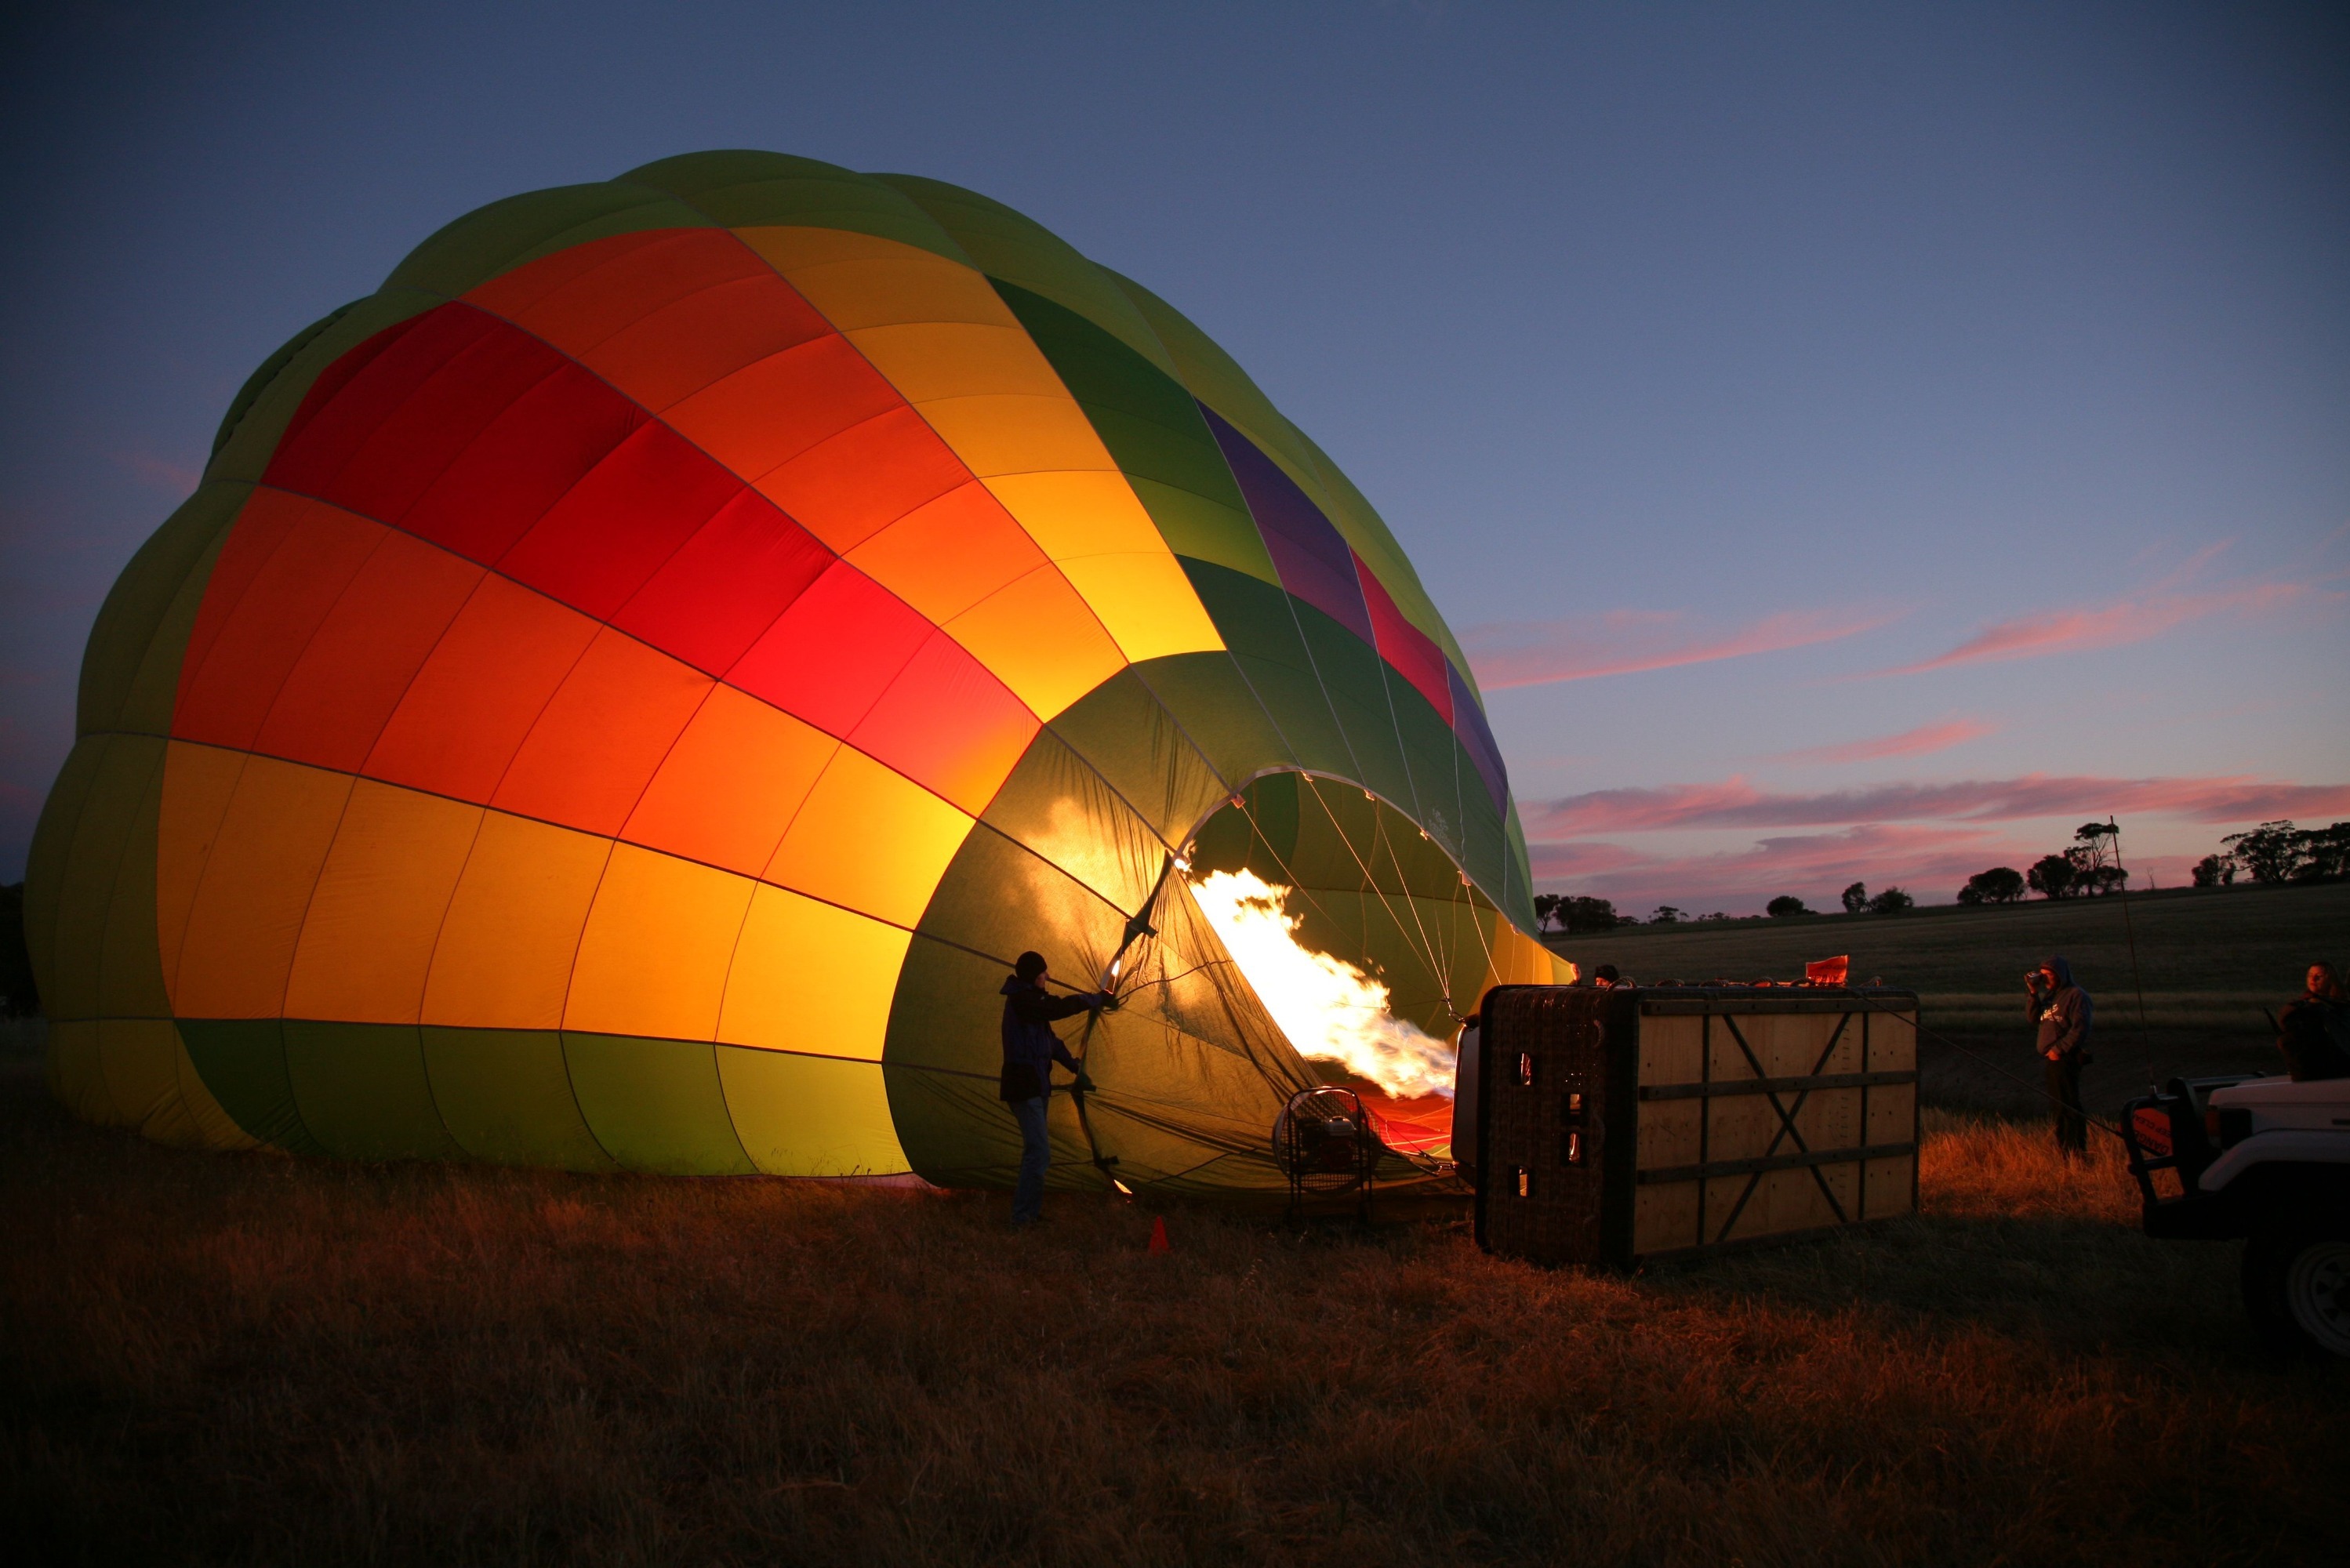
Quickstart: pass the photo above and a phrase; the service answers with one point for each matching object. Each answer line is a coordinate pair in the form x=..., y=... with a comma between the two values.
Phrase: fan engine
x=1326, y=1146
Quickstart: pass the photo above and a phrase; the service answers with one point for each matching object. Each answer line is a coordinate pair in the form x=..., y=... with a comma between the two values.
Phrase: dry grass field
x=256, y=1359
x=2208, y=960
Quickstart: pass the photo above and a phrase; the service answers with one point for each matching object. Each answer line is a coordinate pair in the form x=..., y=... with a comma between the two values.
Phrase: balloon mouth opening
x=1352, y=967
x=1333, y=1014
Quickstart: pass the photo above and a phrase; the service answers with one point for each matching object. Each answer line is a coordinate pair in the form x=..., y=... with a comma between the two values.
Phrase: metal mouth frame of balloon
x=1116, y=978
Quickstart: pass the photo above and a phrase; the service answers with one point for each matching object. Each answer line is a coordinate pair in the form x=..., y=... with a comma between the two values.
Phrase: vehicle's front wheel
x=2297, y=1289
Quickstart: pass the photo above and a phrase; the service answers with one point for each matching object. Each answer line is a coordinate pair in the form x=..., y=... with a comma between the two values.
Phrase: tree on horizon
x=2052, y=876
x=2000, y=885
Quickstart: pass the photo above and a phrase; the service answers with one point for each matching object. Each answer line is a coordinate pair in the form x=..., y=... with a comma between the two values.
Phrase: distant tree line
x=2272, y=852
x=2089, y=866
x=1576, y=915
x=2279, y=852
x=1858, y=900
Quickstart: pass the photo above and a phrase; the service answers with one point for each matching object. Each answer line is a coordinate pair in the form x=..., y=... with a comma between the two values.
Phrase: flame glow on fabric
x=624, y=691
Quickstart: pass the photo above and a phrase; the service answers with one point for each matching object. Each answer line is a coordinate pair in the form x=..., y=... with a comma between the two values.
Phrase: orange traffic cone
x=1158, y=1234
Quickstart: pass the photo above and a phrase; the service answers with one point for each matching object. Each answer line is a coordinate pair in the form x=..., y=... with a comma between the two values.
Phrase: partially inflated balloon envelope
x=625, y=690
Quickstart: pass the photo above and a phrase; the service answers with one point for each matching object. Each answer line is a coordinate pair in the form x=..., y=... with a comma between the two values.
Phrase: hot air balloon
x=623, y=691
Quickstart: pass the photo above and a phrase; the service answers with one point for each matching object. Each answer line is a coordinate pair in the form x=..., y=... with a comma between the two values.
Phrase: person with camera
x=1030, y=1049
x=2063, y=1013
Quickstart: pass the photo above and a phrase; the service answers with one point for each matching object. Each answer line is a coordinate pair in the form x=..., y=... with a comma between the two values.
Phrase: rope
x=1428, y=951
x=1296, y=884
x=2129, y=927
x=1137, y=926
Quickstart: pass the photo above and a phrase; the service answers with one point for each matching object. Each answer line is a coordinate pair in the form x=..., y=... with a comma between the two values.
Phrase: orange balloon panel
x=949, y=553
x=297, y=560
x=593, y=746
x=478, y=693
x=731, y=784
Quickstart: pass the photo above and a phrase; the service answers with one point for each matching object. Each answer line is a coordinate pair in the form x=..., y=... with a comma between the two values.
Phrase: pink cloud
x=163, y=475
x=1622, y=642
x=1577, y=859
x=1916, y=742
x=1932, y=862
x=1735, y=803
x=2114, y=624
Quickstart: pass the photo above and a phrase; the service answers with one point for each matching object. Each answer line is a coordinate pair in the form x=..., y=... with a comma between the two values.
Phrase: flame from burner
x=1331, y=1011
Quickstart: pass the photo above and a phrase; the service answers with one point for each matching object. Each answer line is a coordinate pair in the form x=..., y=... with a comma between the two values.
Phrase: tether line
x=2129, y=930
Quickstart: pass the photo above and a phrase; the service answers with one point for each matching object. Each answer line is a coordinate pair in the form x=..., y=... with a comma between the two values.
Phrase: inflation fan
x=1326, y=1145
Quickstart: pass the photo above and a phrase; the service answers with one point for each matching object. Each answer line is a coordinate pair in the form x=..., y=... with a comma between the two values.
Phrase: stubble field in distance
x=2208, y=960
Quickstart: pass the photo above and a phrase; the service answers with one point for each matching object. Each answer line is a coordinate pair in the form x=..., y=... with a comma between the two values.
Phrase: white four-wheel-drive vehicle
x=2267, y=1159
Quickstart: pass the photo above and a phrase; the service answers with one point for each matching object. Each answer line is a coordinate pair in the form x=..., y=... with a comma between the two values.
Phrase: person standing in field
x=2314, y=1032
x=2063, y=1013
x=1030, y=1049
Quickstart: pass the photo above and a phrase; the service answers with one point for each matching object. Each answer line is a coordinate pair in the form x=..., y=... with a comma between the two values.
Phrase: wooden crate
x=1623, y=1126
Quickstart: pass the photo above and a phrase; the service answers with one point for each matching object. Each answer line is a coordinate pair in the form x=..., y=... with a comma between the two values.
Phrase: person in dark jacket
x=2314, y=1032
x=2063, y=1012
x=1030, y=1049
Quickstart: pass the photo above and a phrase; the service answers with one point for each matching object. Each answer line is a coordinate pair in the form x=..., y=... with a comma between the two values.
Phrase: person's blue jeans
x=1035, y=1158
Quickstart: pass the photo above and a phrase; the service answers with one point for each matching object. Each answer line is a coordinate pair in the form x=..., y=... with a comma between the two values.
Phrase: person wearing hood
x=1030, y=1049
x=2314, y=1032
x=2062, y=1011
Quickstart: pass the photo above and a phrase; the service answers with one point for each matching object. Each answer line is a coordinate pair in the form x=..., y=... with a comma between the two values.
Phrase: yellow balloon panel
x=870, y=840
x=369, y=933
x=1146, y=601
x=810, y=1116
x=811, y=977
x=1038, y=635
x=263, y=861
x=933, y=361
x=863, y=280
x=199, y=782
x=654, y=956
x=506, y=949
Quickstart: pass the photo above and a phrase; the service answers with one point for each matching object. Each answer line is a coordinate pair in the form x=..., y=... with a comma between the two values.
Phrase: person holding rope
x=1030, y=1049
x=2063, y=1012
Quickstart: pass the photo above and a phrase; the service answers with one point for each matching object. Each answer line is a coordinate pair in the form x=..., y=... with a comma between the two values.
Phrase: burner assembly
x=1326, y=1145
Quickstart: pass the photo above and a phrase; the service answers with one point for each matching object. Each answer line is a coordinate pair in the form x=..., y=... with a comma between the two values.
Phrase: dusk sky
x=1852, y=442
